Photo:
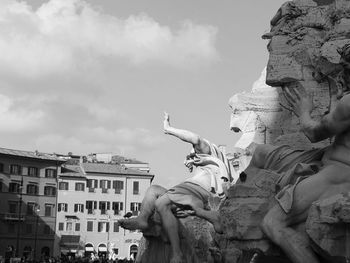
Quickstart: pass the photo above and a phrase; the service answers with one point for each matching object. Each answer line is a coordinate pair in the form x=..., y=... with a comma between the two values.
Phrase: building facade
x=91, y=198
x=28, y=203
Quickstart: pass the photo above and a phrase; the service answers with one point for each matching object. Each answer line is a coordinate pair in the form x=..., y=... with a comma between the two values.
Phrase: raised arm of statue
x=335, y=122
x=198, y=143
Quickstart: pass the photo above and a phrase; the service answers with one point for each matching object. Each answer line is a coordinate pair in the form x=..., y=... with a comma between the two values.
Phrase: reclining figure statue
x=325, y=172
x=211, y=175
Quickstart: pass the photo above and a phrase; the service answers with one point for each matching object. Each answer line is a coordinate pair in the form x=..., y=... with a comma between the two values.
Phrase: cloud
x=54, y=125
x=18, y=121
x=66, y=35
x=123, y=141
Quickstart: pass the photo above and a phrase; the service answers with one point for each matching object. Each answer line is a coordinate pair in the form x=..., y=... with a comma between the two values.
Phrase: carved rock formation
x=328, y=225
x=304, y=40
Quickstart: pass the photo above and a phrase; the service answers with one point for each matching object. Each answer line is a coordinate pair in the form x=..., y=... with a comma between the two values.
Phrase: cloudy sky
x=88, y=76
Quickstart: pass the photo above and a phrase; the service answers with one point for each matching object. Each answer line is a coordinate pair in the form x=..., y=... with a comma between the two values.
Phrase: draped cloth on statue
x=293, y=165
x=211, y=170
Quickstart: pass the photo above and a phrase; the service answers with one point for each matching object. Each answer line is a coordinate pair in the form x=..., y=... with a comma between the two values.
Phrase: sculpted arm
x=198, y=143
x=335, y=122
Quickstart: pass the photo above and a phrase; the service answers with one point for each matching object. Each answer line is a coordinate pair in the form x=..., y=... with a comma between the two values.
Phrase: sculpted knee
x=269, y=224
x=274, y=221
x=265, y=224
x=160, y=204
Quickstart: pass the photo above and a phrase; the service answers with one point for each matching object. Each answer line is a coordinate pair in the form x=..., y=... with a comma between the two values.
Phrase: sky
x=95, y=76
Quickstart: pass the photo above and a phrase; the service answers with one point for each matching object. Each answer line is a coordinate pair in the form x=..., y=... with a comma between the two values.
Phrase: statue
x=326, y=170
x=211, y=172
x=279, y=22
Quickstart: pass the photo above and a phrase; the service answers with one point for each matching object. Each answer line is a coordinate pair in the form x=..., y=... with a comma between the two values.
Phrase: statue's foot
x=177, y=258
x=133, y=223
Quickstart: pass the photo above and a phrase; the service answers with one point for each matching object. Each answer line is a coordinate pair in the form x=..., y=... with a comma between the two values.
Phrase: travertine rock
x=328, y=225
x=304, y=41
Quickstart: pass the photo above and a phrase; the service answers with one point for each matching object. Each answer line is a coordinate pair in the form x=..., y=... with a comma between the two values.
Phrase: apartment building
x=28, y=203
x=91, y=198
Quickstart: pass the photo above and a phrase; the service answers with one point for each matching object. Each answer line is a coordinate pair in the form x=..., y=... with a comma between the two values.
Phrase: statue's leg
x=170, y=225
x=294, y=244
x=209, y=215
x=147, y=209
x=276, y=223
x=212, y=216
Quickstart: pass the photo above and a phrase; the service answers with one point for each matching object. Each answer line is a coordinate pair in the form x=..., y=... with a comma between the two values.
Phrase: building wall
x=116, y=237
x=35, y=227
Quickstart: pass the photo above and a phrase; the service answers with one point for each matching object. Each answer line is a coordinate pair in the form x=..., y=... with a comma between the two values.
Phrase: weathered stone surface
x=328, y=225
x=196, y=237
x=304, y=40
x=283, y=69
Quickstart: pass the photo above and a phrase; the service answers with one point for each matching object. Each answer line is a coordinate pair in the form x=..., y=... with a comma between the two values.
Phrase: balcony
x=91, y=190
x=13, y=217
x=104, y=190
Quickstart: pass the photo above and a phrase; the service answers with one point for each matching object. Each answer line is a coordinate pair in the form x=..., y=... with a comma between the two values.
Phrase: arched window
x=89, y=247
x=133, y=251
x=45, y=251
x=26, y=251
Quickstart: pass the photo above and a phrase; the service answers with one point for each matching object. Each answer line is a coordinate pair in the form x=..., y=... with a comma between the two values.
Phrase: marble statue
x=211, y=173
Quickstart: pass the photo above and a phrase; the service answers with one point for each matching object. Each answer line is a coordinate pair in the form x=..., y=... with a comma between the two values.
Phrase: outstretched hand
x=166, y=122
x=299, y=99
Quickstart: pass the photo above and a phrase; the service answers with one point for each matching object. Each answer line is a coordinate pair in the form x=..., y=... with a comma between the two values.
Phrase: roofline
x=36, y=158
x=147, y=175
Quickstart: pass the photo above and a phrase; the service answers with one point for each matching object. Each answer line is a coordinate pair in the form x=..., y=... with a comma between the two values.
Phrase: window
x=105, y=184
x=31, y=208
x=13, y=207
x=14, y=187
x=1, y=185
x=1, y=167
x=115, y=227
x=62, y=207
x=79, y=208
x=50, y=190
x=135, y=207
x=15, y=169
x=47, y=230
x=33, y=171
x=118, y=186
x=104, y=206
x=136, y=188
x=90, y=226
x=60, y=226
x=92, y=184
x=29, y=228
x=48, y=209
x=32, y=189
x=103, y=227
x=63, y=186
x=117, y=207
x=50, y=173
x=91, y=206
x=77, y=226
x=69, y=226
x=79, y=187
